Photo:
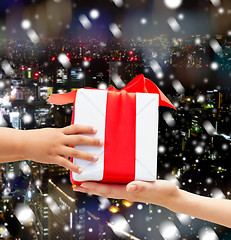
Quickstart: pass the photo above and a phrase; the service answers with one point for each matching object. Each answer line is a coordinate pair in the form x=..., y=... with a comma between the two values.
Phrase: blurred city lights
x=114, y=209
x=127, y=203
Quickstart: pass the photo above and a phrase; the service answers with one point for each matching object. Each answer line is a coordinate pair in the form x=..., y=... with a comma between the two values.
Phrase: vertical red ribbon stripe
x=120, y=137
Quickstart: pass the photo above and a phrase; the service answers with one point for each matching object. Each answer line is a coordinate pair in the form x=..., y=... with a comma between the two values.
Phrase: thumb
x=139, y=186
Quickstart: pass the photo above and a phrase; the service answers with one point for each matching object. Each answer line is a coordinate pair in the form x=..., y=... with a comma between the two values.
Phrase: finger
x=78, y=188
x=139, y=186
x=83, y=140
x=106, y=190
x=76, y=153
x=77, y=128
x=67, y=164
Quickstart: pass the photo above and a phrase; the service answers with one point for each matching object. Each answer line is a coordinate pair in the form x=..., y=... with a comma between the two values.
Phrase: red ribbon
x=120, y=137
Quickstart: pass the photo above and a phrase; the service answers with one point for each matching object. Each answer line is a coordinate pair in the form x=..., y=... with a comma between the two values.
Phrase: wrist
x=23, y=143
x=184, y=202
x=174, y=199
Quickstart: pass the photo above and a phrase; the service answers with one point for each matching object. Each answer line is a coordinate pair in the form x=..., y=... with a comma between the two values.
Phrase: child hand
x=54, y=146
x=160, y=192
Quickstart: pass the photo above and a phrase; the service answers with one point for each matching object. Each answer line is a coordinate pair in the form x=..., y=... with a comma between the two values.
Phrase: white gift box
x=90, y=109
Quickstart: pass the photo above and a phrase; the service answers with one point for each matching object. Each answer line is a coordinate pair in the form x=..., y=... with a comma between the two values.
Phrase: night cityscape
x=58, y=46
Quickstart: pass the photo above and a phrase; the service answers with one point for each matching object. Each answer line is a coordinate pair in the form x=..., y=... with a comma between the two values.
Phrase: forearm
x=4, y=159
x=209, y=209
x=12, y=142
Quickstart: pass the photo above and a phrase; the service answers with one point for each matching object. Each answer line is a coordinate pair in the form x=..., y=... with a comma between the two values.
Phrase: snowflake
x=178, y=86
x=173, y=3
x=115, y=30
x=174, y=25
x=26, y=24
x=139, y=206
x=168, y=230
x=207, y=233
x=94, y=14
x=214, y=65
x=85, y=21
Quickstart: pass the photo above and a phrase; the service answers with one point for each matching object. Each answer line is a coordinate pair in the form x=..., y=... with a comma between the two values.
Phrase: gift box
x=127, y=121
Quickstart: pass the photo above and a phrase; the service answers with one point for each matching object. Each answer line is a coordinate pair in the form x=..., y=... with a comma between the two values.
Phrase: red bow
x=138, y=84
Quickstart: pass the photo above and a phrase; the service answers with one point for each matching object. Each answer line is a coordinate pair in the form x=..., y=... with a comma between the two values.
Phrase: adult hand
x=159, y=192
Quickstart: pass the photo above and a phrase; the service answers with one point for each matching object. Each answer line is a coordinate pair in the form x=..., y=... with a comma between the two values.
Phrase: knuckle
x=96, y=141
x=80, y=139
x=89, y=157
x=76, y=127
x=75, y=153
x=141, y=188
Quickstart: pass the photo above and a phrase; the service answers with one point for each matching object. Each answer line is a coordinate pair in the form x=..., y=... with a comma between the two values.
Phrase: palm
x=158, y=192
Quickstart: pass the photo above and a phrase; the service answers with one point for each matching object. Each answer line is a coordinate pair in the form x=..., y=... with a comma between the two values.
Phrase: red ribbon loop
x=138, y=84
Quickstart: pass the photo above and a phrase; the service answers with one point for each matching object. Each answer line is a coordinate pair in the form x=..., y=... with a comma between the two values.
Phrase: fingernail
x=96, y=158
x=131, y=188
x=94, y=130
x=77, y=189
x=80, y=170
x=101, y=142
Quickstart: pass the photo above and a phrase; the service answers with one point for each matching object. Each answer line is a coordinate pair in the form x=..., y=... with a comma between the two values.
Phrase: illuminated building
x=40, y=209
x=68, y=213
x=62, y=211
x=128, y=70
